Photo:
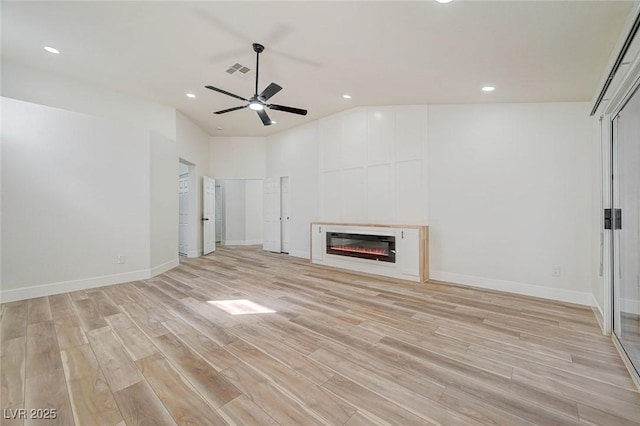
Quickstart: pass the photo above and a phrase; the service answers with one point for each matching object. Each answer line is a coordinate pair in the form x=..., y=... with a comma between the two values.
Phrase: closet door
x=208, y=215
x=285, y=212
x=271, y=215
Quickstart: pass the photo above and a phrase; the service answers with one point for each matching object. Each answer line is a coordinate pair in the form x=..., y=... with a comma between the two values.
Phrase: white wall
x=510, y=197
x=238, y=157
x=294, y=153
x=50, y=89
x=193, y=147
x=75, y=192
x=163, y=168
x=157, y=169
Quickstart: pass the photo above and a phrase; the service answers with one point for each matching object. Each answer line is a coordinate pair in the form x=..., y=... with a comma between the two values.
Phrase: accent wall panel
x=354, y=139
x=380, y=136
x=376, y=170
x=411, y=133
x=331, y=195
x=380, y=193
x=353, y=195
x=410, y=195
x=331, y=143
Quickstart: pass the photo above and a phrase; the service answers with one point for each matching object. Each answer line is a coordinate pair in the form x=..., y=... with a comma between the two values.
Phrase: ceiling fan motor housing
x=258, y=102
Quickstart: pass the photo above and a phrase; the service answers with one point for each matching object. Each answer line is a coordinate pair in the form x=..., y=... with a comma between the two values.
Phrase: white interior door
x=208, y=215
x=285, y=212
x=271, y=230
x=183, y=214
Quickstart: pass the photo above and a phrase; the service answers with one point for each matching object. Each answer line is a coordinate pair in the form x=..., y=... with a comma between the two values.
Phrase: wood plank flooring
x=341, y=349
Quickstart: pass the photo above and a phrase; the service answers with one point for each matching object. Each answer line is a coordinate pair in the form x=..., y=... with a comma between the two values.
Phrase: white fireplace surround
x=411, y=246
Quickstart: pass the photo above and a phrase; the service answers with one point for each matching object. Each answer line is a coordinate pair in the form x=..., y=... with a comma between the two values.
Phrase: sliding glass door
x=625, y=222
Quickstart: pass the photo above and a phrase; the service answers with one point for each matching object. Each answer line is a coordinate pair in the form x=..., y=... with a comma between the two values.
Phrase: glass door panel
x=626, y=228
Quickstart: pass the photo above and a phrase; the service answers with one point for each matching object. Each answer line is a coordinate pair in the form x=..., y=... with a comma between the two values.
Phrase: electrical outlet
x=121, y=259
x=555, y=271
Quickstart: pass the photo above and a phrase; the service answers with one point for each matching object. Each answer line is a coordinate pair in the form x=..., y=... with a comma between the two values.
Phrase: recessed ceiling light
x=273, y=121
x=488, y=89
x=191, y=95
x=346, y=96
x=51, y=50
x=443, y=1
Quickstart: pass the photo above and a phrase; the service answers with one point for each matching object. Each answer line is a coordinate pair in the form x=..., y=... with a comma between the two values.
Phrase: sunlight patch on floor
x=240, y=307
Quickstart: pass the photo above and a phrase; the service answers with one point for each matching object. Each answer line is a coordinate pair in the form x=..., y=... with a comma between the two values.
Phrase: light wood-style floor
x=342, y=349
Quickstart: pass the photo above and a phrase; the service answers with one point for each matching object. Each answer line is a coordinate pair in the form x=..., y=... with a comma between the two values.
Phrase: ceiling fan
x=258, y=102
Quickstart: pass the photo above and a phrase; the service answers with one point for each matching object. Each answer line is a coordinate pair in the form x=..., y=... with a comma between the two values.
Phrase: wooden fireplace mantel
x=412, y=249
x=371, y=225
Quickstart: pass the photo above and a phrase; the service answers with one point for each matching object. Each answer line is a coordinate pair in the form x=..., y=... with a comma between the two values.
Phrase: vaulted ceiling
x=380, y=53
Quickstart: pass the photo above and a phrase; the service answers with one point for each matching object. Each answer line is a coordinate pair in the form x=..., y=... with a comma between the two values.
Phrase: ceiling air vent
x=237, y=67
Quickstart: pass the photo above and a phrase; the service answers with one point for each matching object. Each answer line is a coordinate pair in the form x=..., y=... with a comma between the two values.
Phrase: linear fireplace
x=374, y=247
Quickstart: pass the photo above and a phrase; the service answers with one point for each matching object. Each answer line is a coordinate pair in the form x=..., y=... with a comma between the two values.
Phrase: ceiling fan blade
x=264, y=117
x=288, y=109
x=231, y=109
x=271, y=90
x=224, y=92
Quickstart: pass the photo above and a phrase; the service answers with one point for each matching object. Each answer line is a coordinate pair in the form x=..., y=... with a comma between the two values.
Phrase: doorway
x=183, y=210
x=239, y=211
x=624, y=219
x=188, y=218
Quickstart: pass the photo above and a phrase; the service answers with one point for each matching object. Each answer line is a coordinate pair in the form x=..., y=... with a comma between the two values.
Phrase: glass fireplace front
x=374, y=247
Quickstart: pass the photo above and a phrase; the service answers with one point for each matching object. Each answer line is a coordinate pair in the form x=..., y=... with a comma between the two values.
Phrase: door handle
x=607, y=218
x=205, y=218
x=617, y=218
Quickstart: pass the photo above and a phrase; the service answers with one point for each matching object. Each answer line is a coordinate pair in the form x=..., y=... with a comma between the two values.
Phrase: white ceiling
x=382, y=53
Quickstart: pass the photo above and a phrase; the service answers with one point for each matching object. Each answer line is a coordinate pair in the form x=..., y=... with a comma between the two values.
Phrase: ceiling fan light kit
x=258, y=102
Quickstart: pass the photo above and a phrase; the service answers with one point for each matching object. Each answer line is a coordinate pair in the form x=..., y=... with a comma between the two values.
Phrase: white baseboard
x=596, y=306
x=597, y=312
x=66, y=286
x=558, y=294
x=164, y=267
x=300, y=253
x=240, y=242
x=83, y=284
